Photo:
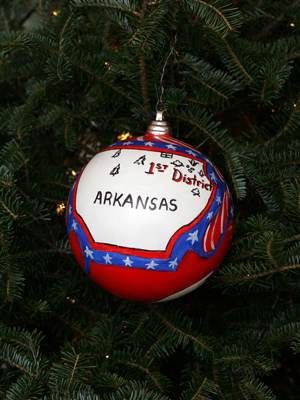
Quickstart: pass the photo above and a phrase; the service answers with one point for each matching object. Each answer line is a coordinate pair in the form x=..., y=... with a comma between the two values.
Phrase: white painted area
x=128, y=224
x=186, y=290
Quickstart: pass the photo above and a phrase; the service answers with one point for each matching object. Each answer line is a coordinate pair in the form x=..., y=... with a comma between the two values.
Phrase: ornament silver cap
x=159, y=127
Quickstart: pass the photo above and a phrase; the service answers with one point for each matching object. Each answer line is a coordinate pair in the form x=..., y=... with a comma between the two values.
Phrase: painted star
x=70, y=210
x=218, y=200
x=151, y=265
x=191, y=153
x=231, y=211
x=193, y=237
x=127, y=143
x=88, y=252
x=208, y=161
x=149, y=144
x=209, y=215
x=171, y=146
x=127, y=262
x=173, y=263
x=74, y=225
x=213, y=177
x=107, y=259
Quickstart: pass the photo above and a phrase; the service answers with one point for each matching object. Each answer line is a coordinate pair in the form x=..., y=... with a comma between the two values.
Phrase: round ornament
x=150, y=218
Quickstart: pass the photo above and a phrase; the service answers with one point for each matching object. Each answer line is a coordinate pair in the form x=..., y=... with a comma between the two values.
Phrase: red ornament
x=150, y=218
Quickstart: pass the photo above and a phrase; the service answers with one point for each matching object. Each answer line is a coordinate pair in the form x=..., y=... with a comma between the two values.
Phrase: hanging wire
x=160, y=98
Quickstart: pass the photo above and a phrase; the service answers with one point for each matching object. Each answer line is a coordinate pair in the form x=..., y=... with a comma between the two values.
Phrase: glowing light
x=295, y=105
x=107, y=356
x=73, y=173
x=106, y=63
x=56, y=13
x=60, y=209
x=292, y=24
x=125, y=136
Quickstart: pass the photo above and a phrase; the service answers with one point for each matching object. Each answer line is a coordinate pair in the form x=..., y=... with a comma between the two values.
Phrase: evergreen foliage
x=75, y=75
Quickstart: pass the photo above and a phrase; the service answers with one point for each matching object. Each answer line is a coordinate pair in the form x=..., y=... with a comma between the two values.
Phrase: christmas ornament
x=150, y=218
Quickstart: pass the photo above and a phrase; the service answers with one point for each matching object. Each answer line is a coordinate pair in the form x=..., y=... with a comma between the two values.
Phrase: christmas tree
x=77, y=76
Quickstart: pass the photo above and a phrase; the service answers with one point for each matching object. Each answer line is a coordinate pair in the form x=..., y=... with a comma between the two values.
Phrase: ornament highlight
x=150, y=218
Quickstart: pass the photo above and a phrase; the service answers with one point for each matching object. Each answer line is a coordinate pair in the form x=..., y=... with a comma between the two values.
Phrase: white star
x=231, y=211
x=88, y=252
x=107, y=259
x=218, y=199
x=173, y=263
x=207, y=160
x=70, y=210
x=128, y=262
x=127, y=143
x=170, y=146
x=209, y=215
x=149, y=144
x=191, y=153
x=213, y=177
x=151, y=265
x=74, y=225
x=193, y=237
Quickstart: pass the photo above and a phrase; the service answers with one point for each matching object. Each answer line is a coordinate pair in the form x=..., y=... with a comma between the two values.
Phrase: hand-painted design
x=74, y=225
x=140, y=160
x=193, y=236
x=177, y=163
x=107, y=259
x=166, y=155
x=128, y=262
x=174, y=263
x=70, y=210
x=215, y=229
x=88, y=252
x=127, y=143
x=117, y=154
x=191, y=152
x=190, y=169
x=210, y=215
x=213, y=177
x=171, y=147
x=150, y=144
x=193, y=162
x=196, y=192
x=115, y=170
x=151, y=265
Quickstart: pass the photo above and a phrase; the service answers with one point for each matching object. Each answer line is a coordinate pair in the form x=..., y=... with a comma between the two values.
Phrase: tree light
x=60, y=209
x=125, y=136
x=56, y=13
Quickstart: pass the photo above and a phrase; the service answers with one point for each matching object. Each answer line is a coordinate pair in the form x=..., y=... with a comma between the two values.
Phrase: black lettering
x=98, y=197
x=175, y=177
x=108, y=196
x=128, y=200
x=172, y=202
x=188, y=181
x=163, y=203
x=208, y=186
x=117, y=199
x=139, y=200
x=154, y=205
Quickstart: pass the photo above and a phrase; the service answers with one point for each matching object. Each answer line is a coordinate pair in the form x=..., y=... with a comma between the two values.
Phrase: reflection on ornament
x=150, y=218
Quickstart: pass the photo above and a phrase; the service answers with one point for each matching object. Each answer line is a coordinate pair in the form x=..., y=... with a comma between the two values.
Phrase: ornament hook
x=160, y=100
